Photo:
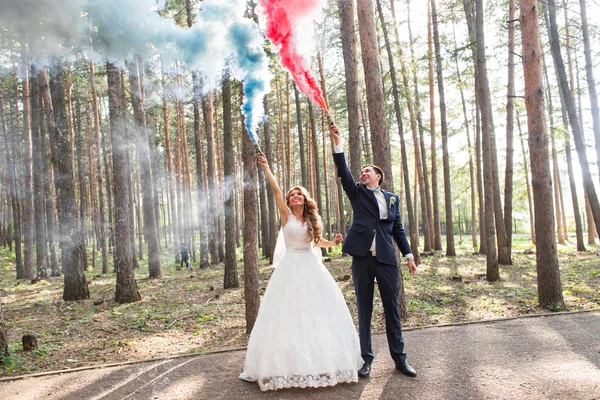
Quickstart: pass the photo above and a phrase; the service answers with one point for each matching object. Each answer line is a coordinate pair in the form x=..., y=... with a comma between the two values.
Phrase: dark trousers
x=185, y=261
x=364, y=272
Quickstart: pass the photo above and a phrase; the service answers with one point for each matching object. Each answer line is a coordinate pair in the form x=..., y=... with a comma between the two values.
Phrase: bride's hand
x=338, y=239
x=262, y=161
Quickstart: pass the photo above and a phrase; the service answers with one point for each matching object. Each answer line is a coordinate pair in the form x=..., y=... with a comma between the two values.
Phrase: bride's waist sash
x=298, y=249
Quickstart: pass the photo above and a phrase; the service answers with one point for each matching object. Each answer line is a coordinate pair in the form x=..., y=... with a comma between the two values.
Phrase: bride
x=304, y=335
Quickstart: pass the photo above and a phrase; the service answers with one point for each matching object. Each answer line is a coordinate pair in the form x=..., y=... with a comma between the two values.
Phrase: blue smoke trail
x=123, y=29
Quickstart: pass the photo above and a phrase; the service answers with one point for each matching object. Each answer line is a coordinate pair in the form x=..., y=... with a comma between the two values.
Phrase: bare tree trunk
x=213, y=207
x=81, y=183
x=150, y=226
x=417, y=113
x=591, y=229
x=417, y=132
x=350, y=54
x=570, y=105
x=549, y=286
x=555, y=172
x=41, y=246
x=303, y=161
x=251, y=288
x=526, y=170
x=230, y=275
x=470, y=148
x=3, y=335
x=14, y=197
x=412, y=216
x=589, y=73
x=271, y=211
x=28, y=213
x=101, y=204
x=493, y=273
x=510, y=129
x=380, y=142
x=315, y=153
x=174, y=226
x=437, y=229
x=126, y=288
x=72, y=251
x=450, y=251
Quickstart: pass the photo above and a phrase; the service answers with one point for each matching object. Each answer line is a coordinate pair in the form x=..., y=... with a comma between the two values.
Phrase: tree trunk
x=28, y=212
x=510, y=129
x=412, y=217
x=251, y=286
x=380, y=142
x=150, y=226
x=549, y=286
x=492, y=273
x=101, y=203
x=303, y=163
x=450, y=251
x=570, y=105
x=212, y=193
x=173, y=226
x=350, y=54
x=272, y=213
x=81, y=183
x=41, y=246
x=591, y=229
x=589, y=73
x=230, y=275
x=526, y=170
x=437, y=228
x=3, y=335
x=72, y=251
x=470, y=149
x=126, y=289
x=555, y=172
x=14, y=197
x=416, y=114
x=417, y=133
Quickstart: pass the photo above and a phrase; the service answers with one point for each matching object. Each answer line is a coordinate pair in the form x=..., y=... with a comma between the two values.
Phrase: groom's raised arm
x=340, y=162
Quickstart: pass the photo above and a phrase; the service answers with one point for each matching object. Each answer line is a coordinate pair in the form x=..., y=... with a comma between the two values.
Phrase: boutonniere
x=392, y=201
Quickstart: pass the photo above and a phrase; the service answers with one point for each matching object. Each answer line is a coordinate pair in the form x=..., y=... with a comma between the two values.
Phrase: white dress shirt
x=381, y=202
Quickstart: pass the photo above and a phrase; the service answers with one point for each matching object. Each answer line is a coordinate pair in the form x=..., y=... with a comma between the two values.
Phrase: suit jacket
x=367, y=222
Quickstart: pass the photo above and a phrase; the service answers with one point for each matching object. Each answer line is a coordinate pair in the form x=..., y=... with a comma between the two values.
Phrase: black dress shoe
x=365, y=371
x=406, y=369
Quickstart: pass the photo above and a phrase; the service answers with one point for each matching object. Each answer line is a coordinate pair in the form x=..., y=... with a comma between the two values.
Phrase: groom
x=369, y=241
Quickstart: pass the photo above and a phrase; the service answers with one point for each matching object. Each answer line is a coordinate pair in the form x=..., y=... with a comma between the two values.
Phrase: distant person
x=304, y=335
x=185, y=256
x=375, y=227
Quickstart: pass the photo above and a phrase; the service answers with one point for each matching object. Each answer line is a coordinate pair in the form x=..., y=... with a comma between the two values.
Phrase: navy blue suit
x=366, y=267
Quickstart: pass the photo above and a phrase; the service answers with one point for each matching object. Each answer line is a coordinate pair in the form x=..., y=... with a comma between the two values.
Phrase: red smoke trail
x=281, y=16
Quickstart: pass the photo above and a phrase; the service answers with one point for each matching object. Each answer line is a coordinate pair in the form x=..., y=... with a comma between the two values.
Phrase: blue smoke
x=122, y=29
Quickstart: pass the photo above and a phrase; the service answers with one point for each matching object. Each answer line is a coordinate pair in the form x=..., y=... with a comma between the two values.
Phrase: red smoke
x=280, y=16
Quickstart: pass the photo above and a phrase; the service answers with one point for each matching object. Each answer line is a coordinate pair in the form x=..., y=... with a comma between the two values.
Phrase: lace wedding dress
x=304, y=335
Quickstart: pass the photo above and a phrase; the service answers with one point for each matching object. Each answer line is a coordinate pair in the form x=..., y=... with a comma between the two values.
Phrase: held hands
x=338, y=239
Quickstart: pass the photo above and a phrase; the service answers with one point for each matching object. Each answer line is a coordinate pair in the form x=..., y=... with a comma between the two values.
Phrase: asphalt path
x=550, y=357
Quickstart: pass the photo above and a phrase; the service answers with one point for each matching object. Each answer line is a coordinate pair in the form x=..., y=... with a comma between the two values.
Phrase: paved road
x=555, y=357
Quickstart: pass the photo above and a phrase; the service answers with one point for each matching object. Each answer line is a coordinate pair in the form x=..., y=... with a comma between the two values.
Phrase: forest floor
x=188, y=312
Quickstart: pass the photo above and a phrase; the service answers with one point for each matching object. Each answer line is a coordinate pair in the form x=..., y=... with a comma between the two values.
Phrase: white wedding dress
x=304, y=335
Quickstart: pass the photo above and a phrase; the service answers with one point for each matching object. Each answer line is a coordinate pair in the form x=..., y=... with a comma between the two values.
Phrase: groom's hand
x=334, y=134
x=412, y=267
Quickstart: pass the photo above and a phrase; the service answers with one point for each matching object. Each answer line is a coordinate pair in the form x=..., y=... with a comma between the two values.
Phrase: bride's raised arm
x=284, y=211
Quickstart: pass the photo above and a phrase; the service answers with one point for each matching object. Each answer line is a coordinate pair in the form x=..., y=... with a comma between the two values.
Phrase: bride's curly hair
x=310, y=214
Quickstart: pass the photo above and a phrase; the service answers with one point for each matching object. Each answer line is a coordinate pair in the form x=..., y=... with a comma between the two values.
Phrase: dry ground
x=189, y=312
